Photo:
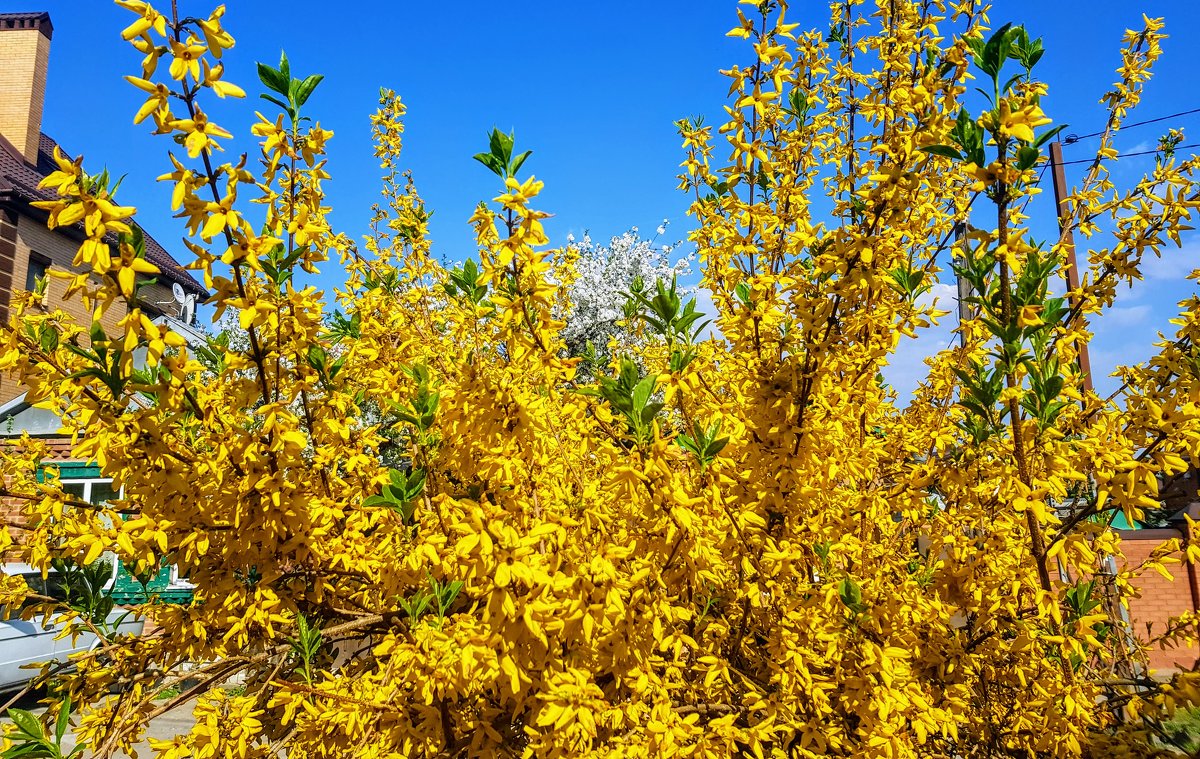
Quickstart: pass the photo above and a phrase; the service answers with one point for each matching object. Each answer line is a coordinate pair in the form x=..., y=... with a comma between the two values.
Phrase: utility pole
x=1107, y=564
x=1066, y=241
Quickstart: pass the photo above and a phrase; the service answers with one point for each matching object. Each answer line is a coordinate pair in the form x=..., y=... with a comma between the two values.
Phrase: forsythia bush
x=414, y=532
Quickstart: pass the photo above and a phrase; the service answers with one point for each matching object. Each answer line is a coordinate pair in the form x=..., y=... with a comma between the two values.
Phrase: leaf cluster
x=500, y=158
x=31, y=739
x=400, y=493
x=469, y=282
x=295, y=92
x=704, y=443
x=306, y=646
x=437, y=599
x=631, y=396
x=670, y=318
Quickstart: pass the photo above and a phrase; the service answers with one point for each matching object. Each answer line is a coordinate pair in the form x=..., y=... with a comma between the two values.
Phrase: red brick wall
x=1160, y=599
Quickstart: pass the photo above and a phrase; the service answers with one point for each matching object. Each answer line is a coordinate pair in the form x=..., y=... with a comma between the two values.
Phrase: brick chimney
x=24, y=55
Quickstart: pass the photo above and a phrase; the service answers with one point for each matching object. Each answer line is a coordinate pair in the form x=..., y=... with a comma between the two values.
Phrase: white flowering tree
x=606, y=273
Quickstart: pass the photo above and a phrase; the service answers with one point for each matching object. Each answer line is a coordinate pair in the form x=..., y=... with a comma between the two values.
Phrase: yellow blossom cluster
x=414, y=531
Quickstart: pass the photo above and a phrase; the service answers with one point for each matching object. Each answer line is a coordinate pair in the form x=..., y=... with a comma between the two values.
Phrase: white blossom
x=605, y=275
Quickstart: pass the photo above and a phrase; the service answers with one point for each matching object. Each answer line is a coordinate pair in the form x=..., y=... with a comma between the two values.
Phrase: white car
x=25, y=643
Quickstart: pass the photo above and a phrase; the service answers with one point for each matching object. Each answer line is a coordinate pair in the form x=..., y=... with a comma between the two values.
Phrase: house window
x=92, y=491
x=36, y=272
x=83, y=481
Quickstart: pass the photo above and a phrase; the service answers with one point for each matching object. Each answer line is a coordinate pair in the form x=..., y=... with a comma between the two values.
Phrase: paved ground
x=174, y=722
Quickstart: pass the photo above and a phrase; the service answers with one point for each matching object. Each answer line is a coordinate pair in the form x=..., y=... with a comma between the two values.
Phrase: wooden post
x=1067, y=245
x=1107, y=565
x=964, y=291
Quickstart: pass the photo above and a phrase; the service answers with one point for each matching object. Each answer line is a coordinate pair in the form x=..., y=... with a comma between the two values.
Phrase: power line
x=1073, y=138
x=1130, y=155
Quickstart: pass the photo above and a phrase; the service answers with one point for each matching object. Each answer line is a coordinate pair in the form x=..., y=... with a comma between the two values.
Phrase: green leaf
x=518, y=161
x=501, y=145
x=649, y=411
x=286, y=108
x=943, y=150
x=976, y=44
x=273, y=79
x=28, y=724
x=49, y=339
x=492, y=162
x=643, y=391
x=688, y=444
x=1047, y=136
x=305, y=88
x=97, y=334
x=995, y=51
x=284, y=67
x=137, y=240
x=798, y=99
x=851, y=595
x=317, y=357
x=1027, y=156
x=64, y=718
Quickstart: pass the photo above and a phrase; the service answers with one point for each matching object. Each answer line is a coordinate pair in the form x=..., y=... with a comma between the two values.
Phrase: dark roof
x=21, y=179
x=39, y=21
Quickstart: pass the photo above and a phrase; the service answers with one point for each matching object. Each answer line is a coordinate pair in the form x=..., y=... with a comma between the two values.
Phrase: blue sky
x=592, y=88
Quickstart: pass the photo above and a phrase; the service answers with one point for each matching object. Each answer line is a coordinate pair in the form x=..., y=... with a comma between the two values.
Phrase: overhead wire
x=1071, y=139
x=1130, y=155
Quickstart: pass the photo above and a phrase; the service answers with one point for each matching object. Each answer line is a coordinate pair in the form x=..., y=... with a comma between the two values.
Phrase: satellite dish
x=177, y=291
x=188, y=312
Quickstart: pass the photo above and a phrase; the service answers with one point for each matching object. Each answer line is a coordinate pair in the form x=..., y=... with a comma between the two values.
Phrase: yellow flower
x=186, y=58
x=186, y=182
x=212, y=79
x=200, y=132
x=1029, y=316
x=1020, y=123
x=148, y=19
x=152, y=53
x=519, y=193
x=159, y=96
x=129, y=266
x=217, y=39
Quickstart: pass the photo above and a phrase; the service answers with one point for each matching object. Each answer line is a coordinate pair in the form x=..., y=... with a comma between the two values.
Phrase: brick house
x=28, y=250
x=1161, y=599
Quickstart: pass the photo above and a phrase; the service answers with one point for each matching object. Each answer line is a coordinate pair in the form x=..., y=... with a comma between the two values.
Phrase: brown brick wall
x=1160, y=598
x=24, y=54
x=32, y=236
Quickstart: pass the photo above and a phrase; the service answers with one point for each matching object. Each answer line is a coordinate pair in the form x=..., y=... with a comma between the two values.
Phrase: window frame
x=78, y=472
x=40, y=262
x=89, y=481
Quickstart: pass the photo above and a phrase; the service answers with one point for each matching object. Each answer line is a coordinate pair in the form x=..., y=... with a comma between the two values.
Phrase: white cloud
x=906, y=367
x=705, y=305
x=1124, y=316
x=1175, y=263
x=942, y=295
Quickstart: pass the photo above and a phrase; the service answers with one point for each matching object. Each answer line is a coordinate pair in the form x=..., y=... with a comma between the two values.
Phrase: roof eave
x=12, y=197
